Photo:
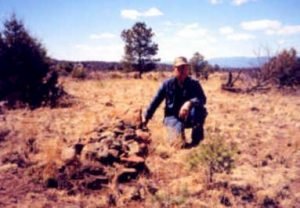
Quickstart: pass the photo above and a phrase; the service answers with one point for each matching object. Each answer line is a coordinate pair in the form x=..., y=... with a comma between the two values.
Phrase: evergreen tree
x=25, y=73
x=139, y=48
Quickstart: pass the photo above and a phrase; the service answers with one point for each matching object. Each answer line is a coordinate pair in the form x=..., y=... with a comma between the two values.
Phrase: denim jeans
x=195, y=120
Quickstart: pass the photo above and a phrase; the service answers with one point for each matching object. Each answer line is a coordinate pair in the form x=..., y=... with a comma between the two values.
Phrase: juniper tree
x=25, y=73
x=139, y=48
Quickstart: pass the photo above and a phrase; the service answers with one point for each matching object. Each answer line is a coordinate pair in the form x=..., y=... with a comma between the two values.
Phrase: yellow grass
x=272, y=129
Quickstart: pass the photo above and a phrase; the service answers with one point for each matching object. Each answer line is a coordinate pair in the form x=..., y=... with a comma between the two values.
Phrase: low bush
x=216, y=156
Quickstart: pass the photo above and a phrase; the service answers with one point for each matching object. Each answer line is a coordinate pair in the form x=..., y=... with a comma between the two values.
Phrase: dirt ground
x=261, y=130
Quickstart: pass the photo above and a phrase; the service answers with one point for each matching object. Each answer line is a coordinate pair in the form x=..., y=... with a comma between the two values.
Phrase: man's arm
x=200, y=98
x=156, y=101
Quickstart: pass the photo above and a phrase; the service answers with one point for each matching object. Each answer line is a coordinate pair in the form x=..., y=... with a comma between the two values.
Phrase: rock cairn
x=115, y=155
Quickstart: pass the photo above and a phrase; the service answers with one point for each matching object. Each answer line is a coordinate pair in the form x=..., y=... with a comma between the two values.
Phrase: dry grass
x=264, y=128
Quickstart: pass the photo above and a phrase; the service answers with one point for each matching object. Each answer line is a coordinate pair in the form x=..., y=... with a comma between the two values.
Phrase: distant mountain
x=238, y=62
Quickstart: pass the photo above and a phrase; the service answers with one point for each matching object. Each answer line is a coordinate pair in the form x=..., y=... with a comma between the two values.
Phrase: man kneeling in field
x=184, y=107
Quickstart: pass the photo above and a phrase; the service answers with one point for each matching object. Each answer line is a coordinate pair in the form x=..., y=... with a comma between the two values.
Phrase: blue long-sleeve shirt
x=176, y=96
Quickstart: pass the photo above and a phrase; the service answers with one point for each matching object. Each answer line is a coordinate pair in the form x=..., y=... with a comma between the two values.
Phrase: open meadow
x=250, y=156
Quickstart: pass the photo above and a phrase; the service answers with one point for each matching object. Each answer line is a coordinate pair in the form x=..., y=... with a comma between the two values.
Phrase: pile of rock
x=115, y=155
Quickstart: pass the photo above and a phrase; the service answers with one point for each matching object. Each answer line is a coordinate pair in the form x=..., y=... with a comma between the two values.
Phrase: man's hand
x=184, y=110
x=144, y=121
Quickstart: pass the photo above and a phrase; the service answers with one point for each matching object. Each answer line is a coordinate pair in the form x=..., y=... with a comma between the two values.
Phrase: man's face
x=181, y=72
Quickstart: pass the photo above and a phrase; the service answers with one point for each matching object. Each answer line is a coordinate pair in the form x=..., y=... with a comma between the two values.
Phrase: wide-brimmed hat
x=179, y=61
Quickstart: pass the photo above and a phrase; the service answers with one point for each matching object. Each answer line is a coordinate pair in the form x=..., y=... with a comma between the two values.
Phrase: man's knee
x=197, y=115
x=174, y=124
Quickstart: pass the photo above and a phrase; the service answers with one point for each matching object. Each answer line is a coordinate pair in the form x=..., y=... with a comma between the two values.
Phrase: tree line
x=28, y=78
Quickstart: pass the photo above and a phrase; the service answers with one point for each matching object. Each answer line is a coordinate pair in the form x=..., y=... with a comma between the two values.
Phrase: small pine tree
x=139, y=48
x=25, y=74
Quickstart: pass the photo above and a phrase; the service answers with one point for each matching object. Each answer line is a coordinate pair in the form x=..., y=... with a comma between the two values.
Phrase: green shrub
x=25, y=75
x=216, y=156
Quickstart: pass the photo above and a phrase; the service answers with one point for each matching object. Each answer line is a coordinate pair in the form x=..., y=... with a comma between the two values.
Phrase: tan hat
x=179, y=61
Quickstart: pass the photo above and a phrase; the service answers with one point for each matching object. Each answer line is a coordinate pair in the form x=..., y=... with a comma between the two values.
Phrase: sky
x=90, y=30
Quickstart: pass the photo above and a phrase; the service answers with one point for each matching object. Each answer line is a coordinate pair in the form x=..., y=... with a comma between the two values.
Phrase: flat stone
x=114, y=153
x=116, y=144
x=134, y=148
x=102, y=153
x=106, y=134
x=93, y=151
x=133, y=159
x=143, y=136
x=129, y=131
x=68, y=154
x=108, y=141
x=117, y=131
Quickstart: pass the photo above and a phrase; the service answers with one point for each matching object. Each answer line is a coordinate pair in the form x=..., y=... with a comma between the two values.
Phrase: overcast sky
x=90, y=30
